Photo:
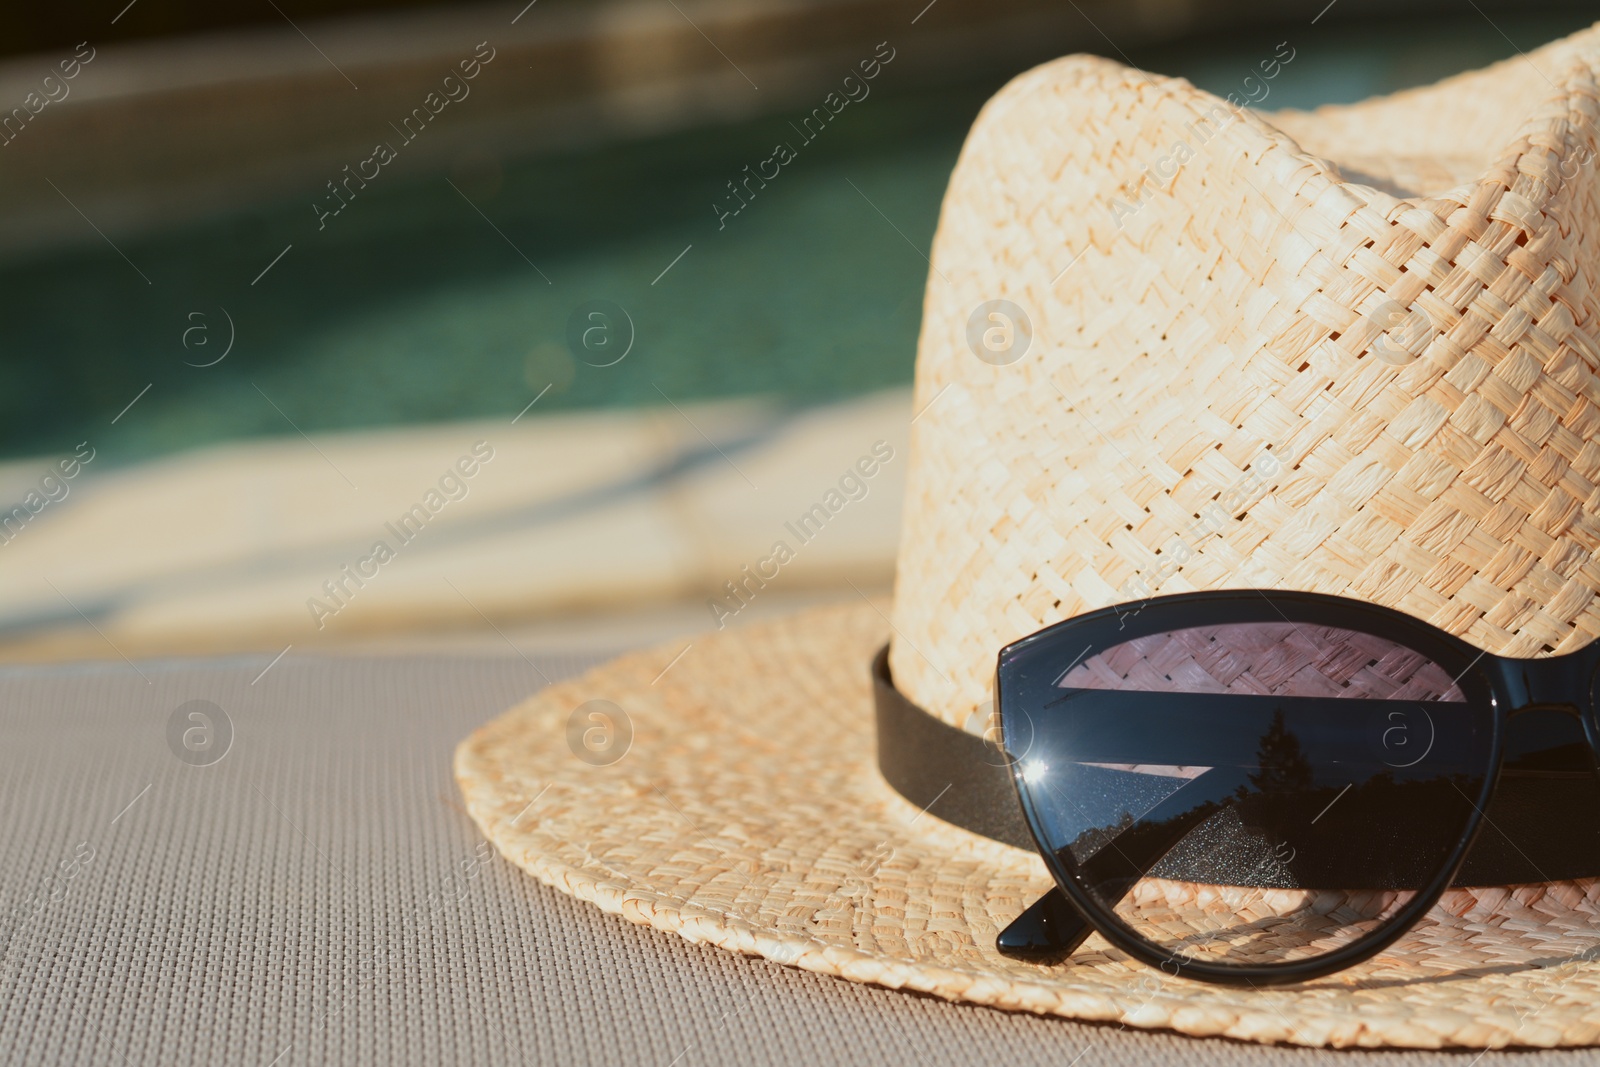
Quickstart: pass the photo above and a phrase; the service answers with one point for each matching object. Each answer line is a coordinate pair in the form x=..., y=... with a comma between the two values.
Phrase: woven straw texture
x=749, y=814
x=1261, y=371
x=1264, y=370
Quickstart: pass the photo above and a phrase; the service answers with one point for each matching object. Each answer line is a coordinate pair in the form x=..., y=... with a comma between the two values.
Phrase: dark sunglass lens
x=1251, y=793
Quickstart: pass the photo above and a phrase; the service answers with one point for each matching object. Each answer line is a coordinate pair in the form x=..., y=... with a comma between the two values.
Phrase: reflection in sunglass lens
x=1252, y=793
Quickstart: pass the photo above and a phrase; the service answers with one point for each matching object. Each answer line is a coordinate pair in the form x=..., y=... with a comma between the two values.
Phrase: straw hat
x=1350, y=351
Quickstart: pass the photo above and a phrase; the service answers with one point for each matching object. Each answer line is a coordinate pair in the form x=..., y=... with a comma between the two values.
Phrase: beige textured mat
x=277, y=903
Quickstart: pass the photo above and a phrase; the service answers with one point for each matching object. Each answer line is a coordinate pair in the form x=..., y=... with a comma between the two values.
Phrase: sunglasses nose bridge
x=1557, y=682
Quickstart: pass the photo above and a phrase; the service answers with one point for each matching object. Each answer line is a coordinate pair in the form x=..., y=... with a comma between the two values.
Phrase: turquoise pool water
x=410, y=307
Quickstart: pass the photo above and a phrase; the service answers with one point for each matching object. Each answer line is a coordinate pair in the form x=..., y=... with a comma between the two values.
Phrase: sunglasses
x=1255, y=787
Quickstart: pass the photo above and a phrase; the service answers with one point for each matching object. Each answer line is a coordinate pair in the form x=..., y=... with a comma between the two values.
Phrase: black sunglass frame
x=1503, y=686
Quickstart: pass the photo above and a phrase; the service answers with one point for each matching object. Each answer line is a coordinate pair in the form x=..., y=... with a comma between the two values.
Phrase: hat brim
x=748, y=813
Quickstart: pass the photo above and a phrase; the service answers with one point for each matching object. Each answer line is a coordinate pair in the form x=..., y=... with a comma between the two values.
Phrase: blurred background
x=273, y=273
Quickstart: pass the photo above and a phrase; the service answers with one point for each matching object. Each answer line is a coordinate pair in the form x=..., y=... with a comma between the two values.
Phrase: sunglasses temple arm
x=1051, y=929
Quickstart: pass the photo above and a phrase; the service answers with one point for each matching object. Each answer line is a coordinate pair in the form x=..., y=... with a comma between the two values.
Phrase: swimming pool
x=446, y=296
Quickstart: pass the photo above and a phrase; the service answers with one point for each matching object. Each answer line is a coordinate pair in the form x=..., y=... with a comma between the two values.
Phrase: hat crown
x=1169, y=345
